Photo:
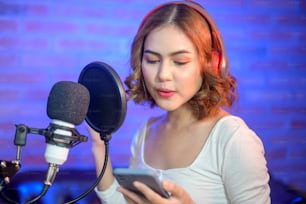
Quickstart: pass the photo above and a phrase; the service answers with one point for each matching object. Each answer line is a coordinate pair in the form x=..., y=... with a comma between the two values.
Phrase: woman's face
x=170, y=67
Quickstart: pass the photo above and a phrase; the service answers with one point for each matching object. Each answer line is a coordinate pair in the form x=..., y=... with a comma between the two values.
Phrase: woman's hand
x=96, y=139
x=98, y=150
x=178, y=194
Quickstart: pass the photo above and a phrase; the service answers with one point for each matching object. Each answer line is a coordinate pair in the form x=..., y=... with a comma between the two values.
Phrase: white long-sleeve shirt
x=230, y=168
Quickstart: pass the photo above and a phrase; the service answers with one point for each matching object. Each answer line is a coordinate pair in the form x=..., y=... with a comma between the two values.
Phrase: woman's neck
x=184, y=117
x=180, y=117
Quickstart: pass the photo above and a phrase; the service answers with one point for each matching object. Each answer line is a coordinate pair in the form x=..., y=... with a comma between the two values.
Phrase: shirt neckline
x=218, y=123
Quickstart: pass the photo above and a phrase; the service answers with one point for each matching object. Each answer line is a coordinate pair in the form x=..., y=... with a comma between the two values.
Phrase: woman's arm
x=107, y=188
x=98, y=150
x=245, y=173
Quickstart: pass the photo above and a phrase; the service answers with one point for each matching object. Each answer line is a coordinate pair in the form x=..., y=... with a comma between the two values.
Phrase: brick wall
x=43, y=42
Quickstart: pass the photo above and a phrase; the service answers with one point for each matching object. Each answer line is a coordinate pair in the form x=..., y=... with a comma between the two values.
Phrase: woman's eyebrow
x=171, y=54
x=151, y=52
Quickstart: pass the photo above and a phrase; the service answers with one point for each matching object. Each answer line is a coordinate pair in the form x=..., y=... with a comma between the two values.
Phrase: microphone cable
x=106, y=142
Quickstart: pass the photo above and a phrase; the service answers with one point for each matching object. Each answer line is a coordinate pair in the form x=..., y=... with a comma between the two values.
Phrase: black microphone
x=67, y=106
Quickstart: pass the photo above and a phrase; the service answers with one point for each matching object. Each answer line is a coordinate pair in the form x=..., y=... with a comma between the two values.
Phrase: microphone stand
x=10, y=168
x=20, y=141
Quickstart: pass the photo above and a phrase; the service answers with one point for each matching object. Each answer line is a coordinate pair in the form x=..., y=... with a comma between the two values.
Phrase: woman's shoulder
x=138, y=140
x=231, y=122
x=233, y=128
x=154, y=119
x=228, y=126
x=147, y=124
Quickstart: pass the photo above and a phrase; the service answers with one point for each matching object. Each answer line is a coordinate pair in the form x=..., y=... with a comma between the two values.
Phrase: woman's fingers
x=147, y=192
x=131, y=197
x=177, y=193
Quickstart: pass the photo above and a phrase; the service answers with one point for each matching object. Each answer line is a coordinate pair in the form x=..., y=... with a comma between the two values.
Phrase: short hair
x=218, y=88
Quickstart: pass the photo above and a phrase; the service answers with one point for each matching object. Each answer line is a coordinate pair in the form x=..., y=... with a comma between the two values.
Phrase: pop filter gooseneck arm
x=107, y=108
x=97, y=180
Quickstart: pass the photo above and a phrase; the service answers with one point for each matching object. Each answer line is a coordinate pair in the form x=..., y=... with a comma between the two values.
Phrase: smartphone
x=126, y=177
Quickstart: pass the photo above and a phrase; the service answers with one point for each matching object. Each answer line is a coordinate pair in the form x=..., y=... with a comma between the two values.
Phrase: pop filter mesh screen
x=107, y=106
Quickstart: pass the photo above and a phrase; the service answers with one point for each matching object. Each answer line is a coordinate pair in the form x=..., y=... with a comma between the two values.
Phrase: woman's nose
x=164, y=72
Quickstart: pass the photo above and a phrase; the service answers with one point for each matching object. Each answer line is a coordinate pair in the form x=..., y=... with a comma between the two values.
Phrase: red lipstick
x=165, y=93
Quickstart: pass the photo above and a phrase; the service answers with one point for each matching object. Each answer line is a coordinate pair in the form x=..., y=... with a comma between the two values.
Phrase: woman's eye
x=152, y=61
x=180, y=63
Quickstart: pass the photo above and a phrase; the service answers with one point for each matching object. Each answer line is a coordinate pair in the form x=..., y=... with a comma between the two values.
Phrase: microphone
x=67, y=106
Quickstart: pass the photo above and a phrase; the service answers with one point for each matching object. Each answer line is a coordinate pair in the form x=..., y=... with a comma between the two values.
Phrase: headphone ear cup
x=215, y=34
x=216, y=62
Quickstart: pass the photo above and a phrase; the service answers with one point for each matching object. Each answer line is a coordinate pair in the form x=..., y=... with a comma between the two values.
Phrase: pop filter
x=107, y=107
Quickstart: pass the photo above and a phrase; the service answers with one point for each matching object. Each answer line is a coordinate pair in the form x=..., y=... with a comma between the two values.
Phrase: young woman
x=204, y=154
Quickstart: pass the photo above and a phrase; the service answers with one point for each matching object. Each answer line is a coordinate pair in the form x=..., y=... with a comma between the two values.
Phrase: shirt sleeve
x=244, y=170
x=111, y=195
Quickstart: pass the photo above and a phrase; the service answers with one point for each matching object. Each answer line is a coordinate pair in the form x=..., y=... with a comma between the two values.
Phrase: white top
x=230, y=168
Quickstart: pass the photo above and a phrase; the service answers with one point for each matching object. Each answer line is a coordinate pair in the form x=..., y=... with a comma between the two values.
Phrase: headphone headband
x=215, y=34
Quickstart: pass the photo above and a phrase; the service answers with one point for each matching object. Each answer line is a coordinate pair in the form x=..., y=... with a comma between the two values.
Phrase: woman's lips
x=165, y=93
